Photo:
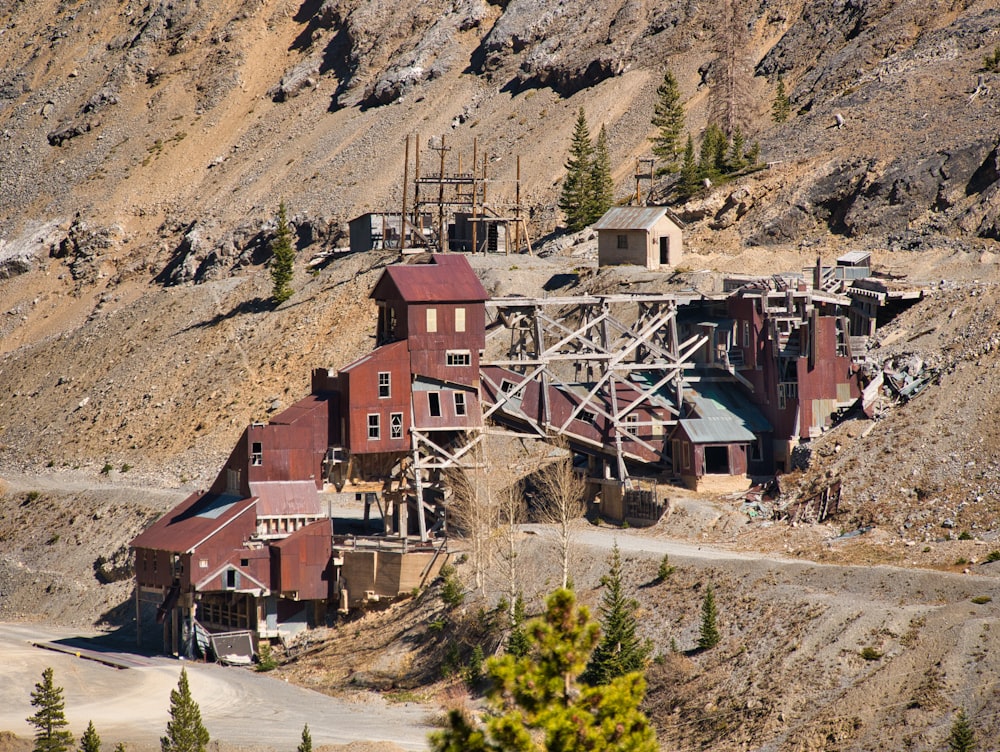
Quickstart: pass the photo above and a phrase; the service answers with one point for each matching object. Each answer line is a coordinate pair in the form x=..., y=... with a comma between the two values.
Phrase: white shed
x=642, y=235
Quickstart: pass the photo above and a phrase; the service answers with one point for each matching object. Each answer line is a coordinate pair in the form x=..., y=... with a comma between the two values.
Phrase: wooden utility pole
x=475, y=191
x=406, y=189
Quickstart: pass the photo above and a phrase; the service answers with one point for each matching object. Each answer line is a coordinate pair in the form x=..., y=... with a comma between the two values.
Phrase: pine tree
x=90, y=741
x=689, y=180
x=50, y=717
x=781, y=107
x=517, y=642
x=185, y=731
x=306, y=744
x=708, y=635
x=283, y=258
x=753, y=154
x=620, y=650
x=120, y=747
x=962, y=737
x=668, y=117
x=736, y=157
x=601, y=183
x=712, y=156
x=538, y=703
x=576, y=192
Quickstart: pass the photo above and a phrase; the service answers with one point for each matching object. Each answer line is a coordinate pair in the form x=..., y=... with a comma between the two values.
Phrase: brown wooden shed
x=642, y=235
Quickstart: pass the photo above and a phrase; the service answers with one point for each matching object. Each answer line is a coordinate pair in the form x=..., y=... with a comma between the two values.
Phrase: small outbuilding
x=642, y=235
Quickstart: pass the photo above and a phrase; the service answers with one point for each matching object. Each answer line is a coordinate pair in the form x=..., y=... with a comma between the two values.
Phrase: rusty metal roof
x=447, y=279
x=299, y=410
x=286, y=498
x=192, y=521
x=631, y=218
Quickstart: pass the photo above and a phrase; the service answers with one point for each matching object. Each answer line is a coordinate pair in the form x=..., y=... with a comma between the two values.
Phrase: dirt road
x=239, y=707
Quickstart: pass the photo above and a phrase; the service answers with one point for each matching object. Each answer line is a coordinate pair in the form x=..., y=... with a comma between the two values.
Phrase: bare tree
x=473, y=511
x=561, y=498
x=730, y=106
x=511, y=513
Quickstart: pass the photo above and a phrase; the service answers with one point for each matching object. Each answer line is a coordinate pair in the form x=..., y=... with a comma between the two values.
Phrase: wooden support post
x=138, y=618
x=442, y=231
x=475, y=189
x=416, y=191
x=406, y=182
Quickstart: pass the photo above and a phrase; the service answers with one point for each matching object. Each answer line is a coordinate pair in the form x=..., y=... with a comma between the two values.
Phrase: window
x=506, y=386
x=459, y=319
x=623, y=241
x=432, y=320
x=395, y=425
x=631, y=422
x=746, y=334
x=202, y=563
x=459, y=403
x=230, y=578
x=244, y=562
x=374, y=431
x=587, y=417
x=384, y=384
x=458, y=358
x=434, y=403
x=256, y=453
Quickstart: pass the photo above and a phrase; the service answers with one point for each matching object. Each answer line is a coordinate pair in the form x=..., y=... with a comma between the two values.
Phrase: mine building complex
x=701, y=390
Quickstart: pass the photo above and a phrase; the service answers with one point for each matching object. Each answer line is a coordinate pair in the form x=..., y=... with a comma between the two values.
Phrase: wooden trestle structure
x=616, y=358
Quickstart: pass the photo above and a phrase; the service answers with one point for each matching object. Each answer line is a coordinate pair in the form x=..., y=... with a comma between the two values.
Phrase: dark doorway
x=717, y=460
x=664, y=251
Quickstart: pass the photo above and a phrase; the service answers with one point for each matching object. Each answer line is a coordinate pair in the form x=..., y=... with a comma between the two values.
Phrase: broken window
x=458, y=358
x=373, y=426
x=434, y=404
x=395, y=425
x=506, y=386
x=459, y=403
x=256, y=453
x=746, y=334
x=384, y=384
x=588, y=417
x=623, y=241
x=459, y=319
x=432, y=320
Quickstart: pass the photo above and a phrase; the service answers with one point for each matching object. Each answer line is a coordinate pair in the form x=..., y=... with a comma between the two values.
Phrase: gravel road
x=239, y=707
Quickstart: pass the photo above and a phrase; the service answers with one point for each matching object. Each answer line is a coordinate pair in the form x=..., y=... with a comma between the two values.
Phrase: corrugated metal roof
x=379, y=352
x=630, y=218
x=448, y=279
x=291, y=498
x=717, y=430
x=852, y=258
x=192, y=521
x=713, y=399
x=299, y=410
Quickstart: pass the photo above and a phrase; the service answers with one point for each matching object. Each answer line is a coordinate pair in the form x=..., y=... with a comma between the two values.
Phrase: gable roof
x=447, y=279
x=632, y=218
x=193, y=521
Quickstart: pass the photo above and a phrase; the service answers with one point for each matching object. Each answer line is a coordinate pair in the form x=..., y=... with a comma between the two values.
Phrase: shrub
x=870, y=654
x=992, y=62
x=451, y=589
x=666, y=569
x=981, y=599
x=108, y=467
x=993, y=556
x=266, y=660
x=965, y=535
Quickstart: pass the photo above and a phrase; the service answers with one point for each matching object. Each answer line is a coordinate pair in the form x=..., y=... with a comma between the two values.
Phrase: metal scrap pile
x=900, y=379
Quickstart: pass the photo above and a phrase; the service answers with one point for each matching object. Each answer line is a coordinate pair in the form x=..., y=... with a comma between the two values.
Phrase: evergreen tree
x=90, y=741
x=538, y=703
x=120, y=747
x=736, y=158
x=50, y=717
x=712, y=156
x=283, y=258
x=962, y=737
x=306, y=744
x=576, y=192
x=517, y=642
x=781, y=107
x=668, y=117
x=689, y=180
x=708, y=635
x=753, y=154
x=620, y=650
x=602, y=185
x=185, y=731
